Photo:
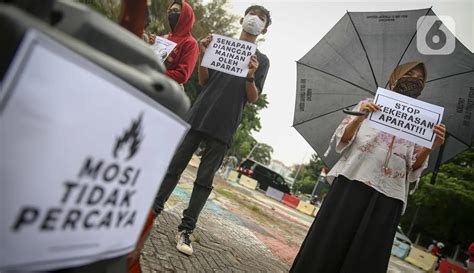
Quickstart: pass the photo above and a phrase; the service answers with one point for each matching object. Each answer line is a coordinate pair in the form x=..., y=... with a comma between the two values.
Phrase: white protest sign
x=82, y=156
x=406, y=117
x=228, y=55
x=162, y=48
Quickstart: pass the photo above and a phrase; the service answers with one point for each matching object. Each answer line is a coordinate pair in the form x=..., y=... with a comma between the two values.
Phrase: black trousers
x=352, y=233
x=211, y=160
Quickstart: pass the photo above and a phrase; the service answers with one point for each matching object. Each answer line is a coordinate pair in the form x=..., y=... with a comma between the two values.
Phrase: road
x=240, y=230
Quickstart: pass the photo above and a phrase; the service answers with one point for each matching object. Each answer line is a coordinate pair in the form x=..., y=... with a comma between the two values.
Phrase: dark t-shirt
x=217, y=110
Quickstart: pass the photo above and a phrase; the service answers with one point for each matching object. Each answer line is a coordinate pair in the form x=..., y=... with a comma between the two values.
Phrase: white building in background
x=280, y=168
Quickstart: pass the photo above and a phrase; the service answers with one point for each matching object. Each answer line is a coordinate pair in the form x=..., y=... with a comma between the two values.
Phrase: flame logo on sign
x=131, y=138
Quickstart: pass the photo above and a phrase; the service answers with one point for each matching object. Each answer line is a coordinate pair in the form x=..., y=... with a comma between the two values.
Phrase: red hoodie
x=181, y=61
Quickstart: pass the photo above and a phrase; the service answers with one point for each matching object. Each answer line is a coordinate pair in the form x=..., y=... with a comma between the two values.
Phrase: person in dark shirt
x=214, y=118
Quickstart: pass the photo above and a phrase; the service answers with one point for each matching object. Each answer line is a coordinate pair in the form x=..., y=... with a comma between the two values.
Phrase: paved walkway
x=222, y=242
x=229, y=238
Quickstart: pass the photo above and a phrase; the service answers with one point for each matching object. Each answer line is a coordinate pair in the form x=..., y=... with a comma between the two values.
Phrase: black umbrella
x=358, y=55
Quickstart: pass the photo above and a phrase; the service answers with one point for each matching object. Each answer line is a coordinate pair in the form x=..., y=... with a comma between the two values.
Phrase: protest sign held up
x=228, y=55
x=405, y=117
x=162, y=48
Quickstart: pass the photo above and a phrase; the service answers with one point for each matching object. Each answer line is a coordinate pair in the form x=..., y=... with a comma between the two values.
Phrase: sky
x=297, y=27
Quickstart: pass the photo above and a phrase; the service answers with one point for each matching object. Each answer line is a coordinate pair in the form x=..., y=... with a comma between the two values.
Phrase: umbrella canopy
x=358, y=55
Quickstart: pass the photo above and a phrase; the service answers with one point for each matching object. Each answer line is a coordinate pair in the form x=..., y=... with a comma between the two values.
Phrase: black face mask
x=409, y=86
x=173, y=19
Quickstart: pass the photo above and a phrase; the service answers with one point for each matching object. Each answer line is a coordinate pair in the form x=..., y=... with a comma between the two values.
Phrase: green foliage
x=446, y=209
x=213, y=18
x=262, y=153
x=109, y=8
x=243, y=140
x=304, y=185
x=210, y=18
x=308, y=175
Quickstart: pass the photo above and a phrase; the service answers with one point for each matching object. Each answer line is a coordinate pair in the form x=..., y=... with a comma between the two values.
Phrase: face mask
x=173, y=19
x=409, y=86
x=253, y=25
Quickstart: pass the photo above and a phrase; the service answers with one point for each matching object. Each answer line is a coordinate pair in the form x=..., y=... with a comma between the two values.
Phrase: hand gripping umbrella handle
x=354, y=113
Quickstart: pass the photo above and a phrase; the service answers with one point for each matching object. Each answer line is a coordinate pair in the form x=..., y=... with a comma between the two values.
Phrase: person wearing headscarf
x=356, y=224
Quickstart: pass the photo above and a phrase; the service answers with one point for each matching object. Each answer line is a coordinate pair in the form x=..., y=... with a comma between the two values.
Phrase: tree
x=304, y=185
x=109, y=8
x=243, y=140
x=446, y=209
x=210, y=18
x=213, y=18
x=308, y=175
x=262, y=153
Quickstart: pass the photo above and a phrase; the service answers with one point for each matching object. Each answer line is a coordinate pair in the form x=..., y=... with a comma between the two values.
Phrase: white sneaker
x=183, y=241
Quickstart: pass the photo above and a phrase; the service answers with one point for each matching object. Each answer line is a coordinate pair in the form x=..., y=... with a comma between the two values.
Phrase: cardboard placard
x=228, y=55
x=406, y=117
x=162, y=48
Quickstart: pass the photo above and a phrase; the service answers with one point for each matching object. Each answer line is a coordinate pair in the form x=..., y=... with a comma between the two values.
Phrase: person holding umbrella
x=356, y=224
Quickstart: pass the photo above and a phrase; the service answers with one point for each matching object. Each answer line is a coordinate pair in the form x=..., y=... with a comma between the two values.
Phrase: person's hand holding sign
x=204, y=43
x=253, y=66
x=152, y=39
x=368, y=107
x=251, y=88
x=440, y=131
x=228, y=55
x=423, y=153
x=203, y=73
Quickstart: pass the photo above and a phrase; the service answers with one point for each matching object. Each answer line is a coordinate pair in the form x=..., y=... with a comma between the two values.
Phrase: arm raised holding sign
x=353, y=126
x=254, y=78
x=250, y=87
x=423, y=153
x=203, y=72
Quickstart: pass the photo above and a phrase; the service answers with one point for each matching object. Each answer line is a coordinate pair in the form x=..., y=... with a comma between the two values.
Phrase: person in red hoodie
x=179, y=66
x=181, y=61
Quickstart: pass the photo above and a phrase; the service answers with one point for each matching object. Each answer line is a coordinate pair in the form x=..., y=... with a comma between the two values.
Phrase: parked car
x=264, y=176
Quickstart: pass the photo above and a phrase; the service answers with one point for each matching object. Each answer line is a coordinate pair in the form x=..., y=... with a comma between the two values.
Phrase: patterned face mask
x=409, y=86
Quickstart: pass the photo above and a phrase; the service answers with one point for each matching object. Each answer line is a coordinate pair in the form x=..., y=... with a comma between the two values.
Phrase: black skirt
x=353, y=231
